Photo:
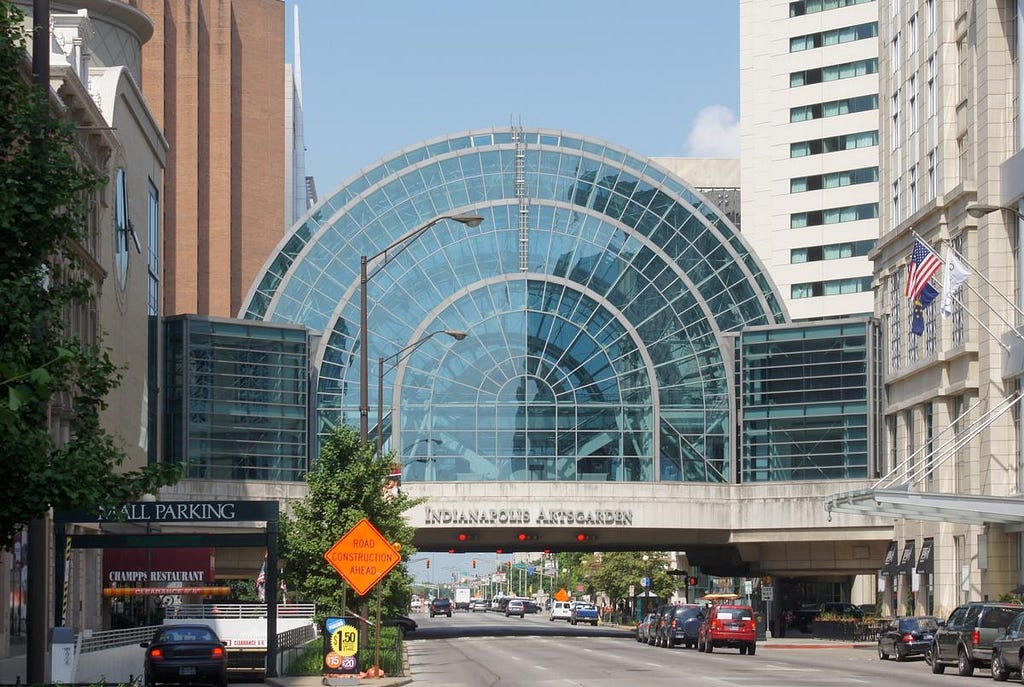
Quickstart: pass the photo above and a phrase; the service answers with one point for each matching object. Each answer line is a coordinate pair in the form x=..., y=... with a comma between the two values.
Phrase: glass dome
x=596, y=294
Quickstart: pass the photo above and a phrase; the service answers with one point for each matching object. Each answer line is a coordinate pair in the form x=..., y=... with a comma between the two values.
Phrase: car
x=1007, y=650
x=682, y=626
x=531, y=606
x=416, y=605
x=185, y=654
x=404, y=623
x=662, y=615
x=968, y=635
x=560, y=610
x=515, y=607
x=478, y=605
x=583, y=613
x=643, y=627
x=907, y=636
x=440, y=606
x=728, y=625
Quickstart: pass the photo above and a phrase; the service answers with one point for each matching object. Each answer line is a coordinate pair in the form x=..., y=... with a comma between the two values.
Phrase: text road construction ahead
x=363, y=556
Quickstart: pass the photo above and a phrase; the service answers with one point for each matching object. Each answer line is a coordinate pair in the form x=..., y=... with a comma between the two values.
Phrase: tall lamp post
x=397, y=247
x=396, y=358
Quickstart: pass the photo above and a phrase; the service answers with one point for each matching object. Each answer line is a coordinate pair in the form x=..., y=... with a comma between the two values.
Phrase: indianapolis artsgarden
x=604, y=321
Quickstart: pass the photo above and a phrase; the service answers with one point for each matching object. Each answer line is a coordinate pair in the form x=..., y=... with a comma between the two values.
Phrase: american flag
x=261, y=581
x=924, y=263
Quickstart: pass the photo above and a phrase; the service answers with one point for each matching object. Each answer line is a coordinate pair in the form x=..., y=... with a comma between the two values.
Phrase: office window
x=896, y=215
x=894, y=137
x=933, y=184
x=850, y=213
x=913, y=189
x=833, y=287
x=153, y=261
x=832, y=251
x=833, y=72
x=929, y=442
x=850, y=177
x=832, y=144
x=802, y=7
x=961, y=53
x=957, y=320
x=834, y=108
x=846, y=34
x=896, y=298
x=929, y=8
x=894, y=53
x=912, y=124
x=963, y=168
x=912, y=34
x=933, y=105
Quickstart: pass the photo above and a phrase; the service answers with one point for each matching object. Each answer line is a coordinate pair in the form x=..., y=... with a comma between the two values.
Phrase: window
x=912, y=191
x=896, y=298
x=834, y=108
x=845, y=34
x=912, y=34
x=894, y=137
x=894, y=53
x=864, y=139
x=122, y=228
x=961, y=156
x=850, y=177
x=896, y=215
x=833, y=72
x=802, y=7
x=932, y=103
x=912, y=124
x=933, y=184
x=961, y=52
x=832, y=287
x=850, y=213
x=153, y=221
x=929, y=8
x=929, y=442
x=957, y=320
x=832, y=251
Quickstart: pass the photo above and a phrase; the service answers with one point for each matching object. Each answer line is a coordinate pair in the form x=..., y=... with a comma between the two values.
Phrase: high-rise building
x=214, y=75
x=952, y=184
x=297, y=194
x=809, y=149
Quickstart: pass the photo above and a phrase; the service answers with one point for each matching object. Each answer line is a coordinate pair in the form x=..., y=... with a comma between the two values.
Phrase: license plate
x=926, y=638
x=187, y=670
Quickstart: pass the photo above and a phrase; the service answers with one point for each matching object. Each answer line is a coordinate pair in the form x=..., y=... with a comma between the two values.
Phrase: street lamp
x=980, y=210
x=364, y=361
x=396, y=358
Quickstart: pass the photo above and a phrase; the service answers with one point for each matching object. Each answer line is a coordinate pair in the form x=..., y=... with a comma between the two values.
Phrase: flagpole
x=992, y=286
x=995, y=312
x=927, y=245
x=982, y=324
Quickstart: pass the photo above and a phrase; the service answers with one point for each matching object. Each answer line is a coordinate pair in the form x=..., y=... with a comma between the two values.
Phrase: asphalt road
x=484, y=650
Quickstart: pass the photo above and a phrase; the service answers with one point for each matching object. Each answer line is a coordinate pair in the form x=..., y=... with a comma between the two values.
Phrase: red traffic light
x=474, y=563
x=451, y=550
x=428, y=562
x=500, y=551
x=525, y=536
x=691, y=581
x=581, y=537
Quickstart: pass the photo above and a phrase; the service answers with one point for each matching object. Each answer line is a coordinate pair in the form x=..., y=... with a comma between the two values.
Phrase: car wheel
x=752, y=648
x=938, y=667
x=999, y=671
x=743, y=651
x=709, y=646
x=449, y=614
x=223, y=681
x=882, y=656
x=901, y=655
x=964, y=664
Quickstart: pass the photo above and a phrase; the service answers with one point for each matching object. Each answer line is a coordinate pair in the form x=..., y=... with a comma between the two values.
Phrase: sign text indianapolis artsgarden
x=523, y=516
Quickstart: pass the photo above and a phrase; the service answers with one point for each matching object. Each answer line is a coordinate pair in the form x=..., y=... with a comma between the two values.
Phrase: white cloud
x=715, y=133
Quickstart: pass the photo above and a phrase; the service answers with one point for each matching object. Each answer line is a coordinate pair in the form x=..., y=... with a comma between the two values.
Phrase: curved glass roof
x=595, y=293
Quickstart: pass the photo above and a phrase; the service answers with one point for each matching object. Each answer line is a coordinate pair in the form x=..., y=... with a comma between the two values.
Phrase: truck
x=583, y=612
x=462, y=598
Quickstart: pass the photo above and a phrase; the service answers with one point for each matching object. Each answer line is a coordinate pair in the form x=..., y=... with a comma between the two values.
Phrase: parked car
x=909, y=636
x=1007, y=650
x=185, y=654
x=531, y=606
x=515, y=607
x=560, y=610
x=966, y=638
x=440, y=606
x=583, y=613
x=682, y=626
x=478, y=605
x=662, y=615
x=416, y=604
x=643, y=628
x=728, y=625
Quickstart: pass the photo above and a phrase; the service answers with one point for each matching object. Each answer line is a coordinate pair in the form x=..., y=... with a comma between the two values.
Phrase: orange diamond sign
x=363, y=556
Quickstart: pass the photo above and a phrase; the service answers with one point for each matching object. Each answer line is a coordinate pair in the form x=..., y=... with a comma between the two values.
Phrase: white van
x=560, y=610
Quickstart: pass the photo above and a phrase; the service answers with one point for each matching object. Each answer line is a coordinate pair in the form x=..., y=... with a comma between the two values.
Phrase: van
x=561, y=610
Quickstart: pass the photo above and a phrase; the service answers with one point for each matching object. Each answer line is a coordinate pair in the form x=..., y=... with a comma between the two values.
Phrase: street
x=476, y=650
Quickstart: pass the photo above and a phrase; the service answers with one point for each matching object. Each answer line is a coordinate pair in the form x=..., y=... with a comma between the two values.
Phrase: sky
x=658, y=77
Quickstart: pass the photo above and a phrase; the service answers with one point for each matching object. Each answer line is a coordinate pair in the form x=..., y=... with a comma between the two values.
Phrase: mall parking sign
x=363, y=556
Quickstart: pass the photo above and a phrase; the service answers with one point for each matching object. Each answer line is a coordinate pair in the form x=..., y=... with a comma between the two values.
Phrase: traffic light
x=474, y=564
x=465, y=536
x=691, y=581
x=428, y=564
x=509, y=564
x=582, y=537
x=525, y=536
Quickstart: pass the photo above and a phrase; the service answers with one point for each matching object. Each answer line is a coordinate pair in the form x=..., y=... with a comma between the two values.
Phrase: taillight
x=907, y=638
x=976, y=637
x=156, y=654
x=674, y=625
x=218, y=652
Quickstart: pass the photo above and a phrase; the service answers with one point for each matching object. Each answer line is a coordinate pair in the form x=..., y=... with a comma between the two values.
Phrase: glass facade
x=597, y=294
x=236, y=399
x=805, y=402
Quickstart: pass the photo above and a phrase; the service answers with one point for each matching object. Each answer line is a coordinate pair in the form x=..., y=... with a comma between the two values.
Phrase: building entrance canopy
x=901, y=503
x=598, y=295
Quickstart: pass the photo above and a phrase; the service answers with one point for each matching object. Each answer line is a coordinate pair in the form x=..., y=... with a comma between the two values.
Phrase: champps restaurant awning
x=958, y=508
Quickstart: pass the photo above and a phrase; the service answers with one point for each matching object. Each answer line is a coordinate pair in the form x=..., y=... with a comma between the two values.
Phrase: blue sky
x=659, y=77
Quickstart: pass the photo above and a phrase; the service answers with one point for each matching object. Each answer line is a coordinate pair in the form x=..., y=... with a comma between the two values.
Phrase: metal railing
x=239, y=611
x=89, y=640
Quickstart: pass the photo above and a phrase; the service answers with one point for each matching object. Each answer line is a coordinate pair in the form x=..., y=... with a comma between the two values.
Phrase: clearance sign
x=363, y=556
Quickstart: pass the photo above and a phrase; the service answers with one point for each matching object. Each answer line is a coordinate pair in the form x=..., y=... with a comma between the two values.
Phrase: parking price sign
x=363, y=556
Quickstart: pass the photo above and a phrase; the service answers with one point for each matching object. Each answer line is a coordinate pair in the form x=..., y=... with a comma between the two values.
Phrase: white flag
x=956, y=275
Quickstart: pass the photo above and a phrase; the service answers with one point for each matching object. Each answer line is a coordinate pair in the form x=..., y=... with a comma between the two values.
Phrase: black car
x=404, y=623
x=440, y=606
x=185, y=654
x=1007, y=650
x=682, y=626
x=967, y=637
x=658, y=631
x=910, y=636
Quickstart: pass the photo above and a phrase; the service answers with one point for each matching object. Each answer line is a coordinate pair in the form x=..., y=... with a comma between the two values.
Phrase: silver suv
x=966, y=638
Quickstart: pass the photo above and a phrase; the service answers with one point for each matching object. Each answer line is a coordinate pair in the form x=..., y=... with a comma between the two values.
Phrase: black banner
x=907, y=559
x=889, y=563
x=926, y=561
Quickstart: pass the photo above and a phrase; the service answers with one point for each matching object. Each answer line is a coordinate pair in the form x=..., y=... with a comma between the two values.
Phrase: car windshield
x=999, y=617
x=686, y=612
x=585, y=607
x=732, y=613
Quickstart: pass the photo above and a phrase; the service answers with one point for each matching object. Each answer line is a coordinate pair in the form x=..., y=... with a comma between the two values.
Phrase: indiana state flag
x=923, y=300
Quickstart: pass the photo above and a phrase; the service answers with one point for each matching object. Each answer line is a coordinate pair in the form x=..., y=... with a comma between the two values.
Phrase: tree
x=620, y=569
x=45, y=195
x=346, y=485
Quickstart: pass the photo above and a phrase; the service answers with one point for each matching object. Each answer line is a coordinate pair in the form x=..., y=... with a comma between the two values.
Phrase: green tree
x=45, y=195
x=345, y=486
x=620, y=569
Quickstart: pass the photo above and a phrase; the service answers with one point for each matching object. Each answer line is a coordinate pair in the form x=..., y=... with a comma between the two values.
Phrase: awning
x=957, y=508
x=907, y=559
x=925, y=562
x=889, y=564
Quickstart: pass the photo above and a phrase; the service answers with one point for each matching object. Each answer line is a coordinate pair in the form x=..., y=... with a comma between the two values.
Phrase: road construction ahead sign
x=363, y=556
